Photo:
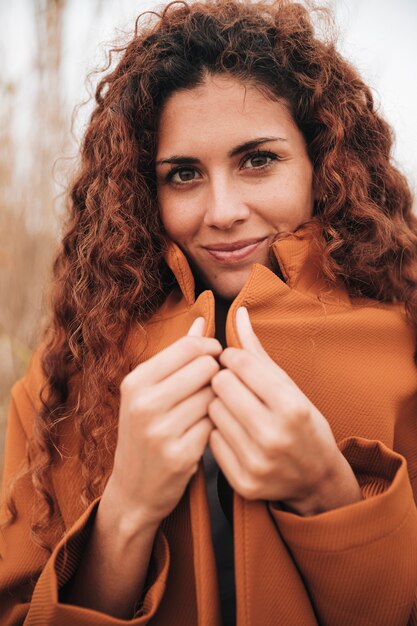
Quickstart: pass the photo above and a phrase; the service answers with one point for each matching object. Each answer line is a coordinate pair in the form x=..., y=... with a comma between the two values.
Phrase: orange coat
x=353, y=566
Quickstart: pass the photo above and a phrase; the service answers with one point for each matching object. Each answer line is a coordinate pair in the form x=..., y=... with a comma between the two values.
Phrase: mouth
x=231, y=253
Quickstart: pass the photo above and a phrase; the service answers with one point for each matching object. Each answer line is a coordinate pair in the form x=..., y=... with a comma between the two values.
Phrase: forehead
x=221, y=109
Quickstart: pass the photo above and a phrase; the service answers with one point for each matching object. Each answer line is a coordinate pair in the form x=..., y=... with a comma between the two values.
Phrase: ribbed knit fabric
x=353, y=566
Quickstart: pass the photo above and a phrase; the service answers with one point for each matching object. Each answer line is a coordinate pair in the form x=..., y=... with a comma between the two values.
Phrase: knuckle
x=221, y=379
x=192, y=345
x=205, y=400
x=127, y=385
x=303, y=414
x=247, y=488
x=241, y=358
x=144, y=404
x=174, y=460
x=209, y=424
x=215, y=405
x=295, y=408
x=255, y=466
x=158, y=432
x=210, y=363
x=206, y=429
x=193, y=469
x=209, y=395
x=205, y=367
x=269, y=441
x=169, y=452
x=297, y=416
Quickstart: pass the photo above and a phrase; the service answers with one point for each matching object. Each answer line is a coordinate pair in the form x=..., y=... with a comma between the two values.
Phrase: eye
x=182, y=175
x=259, y=160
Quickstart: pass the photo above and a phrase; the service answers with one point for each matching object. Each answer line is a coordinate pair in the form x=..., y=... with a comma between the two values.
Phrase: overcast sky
x=379, y=36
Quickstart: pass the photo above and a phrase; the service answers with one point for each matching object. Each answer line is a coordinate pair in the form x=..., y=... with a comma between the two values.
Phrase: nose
x=225, y=204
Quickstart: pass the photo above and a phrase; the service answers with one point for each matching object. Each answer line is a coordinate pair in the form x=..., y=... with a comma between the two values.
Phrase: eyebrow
x=243, y=147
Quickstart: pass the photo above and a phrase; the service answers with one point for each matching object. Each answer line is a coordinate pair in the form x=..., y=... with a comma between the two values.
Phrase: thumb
x=197, y=327
x=247, y=336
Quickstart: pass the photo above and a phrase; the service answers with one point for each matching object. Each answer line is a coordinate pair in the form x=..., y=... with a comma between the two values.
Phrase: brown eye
x=259, y=160
x=183, y=175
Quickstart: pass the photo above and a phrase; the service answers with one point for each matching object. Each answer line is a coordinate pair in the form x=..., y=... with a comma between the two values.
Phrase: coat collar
x=178, y=264
x=298, y=256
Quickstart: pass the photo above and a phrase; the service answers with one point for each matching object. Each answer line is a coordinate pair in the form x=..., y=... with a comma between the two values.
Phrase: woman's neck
x=221, y=310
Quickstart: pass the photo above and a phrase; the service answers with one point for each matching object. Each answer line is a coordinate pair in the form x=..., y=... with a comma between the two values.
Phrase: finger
x=172, y=358
x=232, y=431
x=247, y=409
x=195, y=440
x=184, y=415
x=179, y=386
x=269, y=382
x=246, y=334
x=226, y=458
x=197, y=327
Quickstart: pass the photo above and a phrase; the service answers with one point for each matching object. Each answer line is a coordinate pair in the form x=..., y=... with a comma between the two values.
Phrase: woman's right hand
x=163, y=428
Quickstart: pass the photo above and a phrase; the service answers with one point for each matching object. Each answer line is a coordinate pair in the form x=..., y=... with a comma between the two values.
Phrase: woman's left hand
x=270, y=441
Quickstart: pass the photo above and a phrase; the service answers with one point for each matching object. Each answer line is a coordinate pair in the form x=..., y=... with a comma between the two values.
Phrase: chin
x=226, y=284
x=227, y=291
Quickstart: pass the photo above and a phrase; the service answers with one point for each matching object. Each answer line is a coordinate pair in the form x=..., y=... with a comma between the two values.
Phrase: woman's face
x=232, y=173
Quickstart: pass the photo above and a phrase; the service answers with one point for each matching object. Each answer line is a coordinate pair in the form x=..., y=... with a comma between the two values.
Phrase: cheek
x=286, y=210
x=179, y=224
x=293, y=199
x=167, y=211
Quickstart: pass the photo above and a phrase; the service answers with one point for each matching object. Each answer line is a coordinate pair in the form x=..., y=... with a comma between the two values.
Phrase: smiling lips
x=232, y=252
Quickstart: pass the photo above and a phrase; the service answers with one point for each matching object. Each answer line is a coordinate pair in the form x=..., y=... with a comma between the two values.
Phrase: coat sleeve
x=359, y=562
x=31, y=577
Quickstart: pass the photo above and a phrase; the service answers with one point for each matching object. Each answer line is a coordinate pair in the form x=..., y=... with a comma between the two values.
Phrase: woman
x=235, y=297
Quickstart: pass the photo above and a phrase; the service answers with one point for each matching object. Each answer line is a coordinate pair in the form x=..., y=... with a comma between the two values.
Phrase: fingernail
x=242, y=311
x=197, y=327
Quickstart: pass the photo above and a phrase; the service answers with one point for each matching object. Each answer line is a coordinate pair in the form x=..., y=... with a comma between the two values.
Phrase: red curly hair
x=110, y=272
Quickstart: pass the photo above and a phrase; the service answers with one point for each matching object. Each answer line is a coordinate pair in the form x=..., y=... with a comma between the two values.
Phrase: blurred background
x=47, y=48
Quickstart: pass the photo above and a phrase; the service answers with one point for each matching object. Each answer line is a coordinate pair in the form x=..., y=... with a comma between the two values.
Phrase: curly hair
x=110, y=272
